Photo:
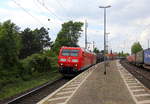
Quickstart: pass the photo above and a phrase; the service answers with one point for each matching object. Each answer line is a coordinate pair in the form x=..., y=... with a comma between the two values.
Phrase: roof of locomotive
x=80, y=48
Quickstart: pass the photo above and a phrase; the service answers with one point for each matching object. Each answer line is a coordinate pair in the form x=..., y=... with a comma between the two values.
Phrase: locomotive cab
x=72, y=60
x=69, y=59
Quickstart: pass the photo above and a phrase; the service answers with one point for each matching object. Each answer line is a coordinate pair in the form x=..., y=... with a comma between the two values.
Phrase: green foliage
x=136, y=47
x=34, y=41
x=28, y=45
x=122, y=54
x=68, y=35
x=9, y=44
x=9, y=50
x=22, y=86
x=53, y=57
x=11, y=69
x=96, y=50
x=34, y=64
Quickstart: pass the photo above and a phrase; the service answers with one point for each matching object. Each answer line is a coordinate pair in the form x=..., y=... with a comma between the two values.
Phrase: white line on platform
x=72, y=88
x=142, y=95
x=131, y=81
x=127, y=78
x=136, y=86
x=58, y=98
x=75, y=82
x=138, y=90
x=67, y=92
x=144, y=102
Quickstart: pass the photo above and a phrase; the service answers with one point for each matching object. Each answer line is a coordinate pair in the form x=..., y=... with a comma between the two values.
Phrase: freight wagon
x=147, y=58
x=130, y=59
x=141, y=58
x=99, y=57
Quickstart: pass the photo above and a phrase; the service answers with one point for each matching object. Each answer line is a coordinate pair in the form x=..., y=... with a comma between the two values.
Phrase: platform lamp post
x=105, y=7
x=107, y=41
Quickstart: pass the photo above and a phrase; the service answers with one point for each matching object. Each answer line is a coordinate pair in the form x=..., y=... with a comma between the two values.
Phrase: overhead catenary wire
x=28, y=13
x=39, y=8
x=58, y=1
x=51, y=12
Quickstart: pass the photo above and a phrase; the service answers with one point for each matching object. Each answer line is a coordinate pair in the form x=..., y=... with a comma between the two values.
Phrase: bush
x=53, y=57
x=8, y=77
x=34, y=64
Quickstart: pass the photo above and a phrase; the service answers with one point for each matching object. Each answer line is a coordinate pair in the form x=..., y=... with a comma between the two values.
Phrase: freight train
x=72, y=60
x=141, y=58
x=99, y=57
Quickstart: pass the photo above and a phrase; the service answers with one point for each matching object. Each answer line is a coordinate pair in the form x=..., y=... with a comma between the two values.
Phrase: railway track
x=35, y=95
x=142, y=74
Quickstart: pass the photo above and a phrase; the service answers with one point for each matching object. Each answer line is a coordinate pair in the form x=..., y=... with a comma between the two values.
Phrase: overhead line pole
x=86, y=34
x=93, y=45
x=148, y=43
x=104, y=7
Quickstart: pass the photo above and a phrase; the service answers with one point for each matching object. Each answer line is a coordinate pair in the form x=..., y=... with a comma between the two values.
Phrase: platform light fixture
x=105, y=7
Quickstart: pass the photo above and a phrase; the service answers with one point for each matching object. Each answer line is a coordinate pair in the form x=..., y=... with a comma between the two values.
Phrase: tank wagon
x=72, y=60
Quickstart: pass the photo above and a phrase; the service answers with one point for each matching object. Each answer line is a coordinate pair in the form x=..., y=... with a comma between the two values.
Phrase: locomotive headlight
x=76, y=65
x=62, y=59
x=74, y=60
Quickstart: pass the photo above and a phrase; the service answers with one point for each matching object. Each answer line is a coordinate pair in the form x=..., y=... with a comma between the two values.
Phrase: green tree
x=96, y=50
x=136, y=47
x=68, y=35
x=122, y=54
x=34, y=41
x=42, y=38
x=9, y=44
x=9, y=50
x=27, y=39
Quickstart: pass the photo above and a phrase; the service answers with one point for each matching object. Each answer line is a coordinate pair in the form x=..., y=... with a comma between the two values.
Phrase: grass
x=21, y=86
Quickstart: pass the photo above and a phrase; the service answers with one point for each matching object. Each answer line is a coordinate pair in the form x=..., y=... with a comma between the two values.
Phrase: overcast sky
x=127, y=20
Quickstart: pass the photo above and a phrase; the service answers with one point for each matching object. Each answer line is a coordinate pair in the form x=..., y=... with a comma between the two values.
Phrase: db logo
x=69, y=59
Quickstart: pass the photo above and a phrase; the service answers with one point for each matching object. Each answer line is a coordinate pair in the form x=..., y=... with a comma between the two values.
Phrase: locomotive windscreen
x=70, y=52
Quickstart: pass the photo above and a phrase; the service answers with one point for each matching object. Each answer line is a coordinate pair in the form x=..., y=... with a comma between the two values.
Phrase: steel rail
x=33, y=91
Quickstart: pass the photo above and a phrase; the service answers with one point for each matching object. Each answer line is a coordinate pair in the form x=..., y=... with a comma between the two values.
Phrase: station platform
x=94, y=87
x=103, y=89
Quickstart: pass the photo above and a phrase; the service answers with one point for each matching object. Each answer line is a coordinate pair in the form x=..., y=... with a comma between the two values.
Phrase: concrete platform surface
x=103, y=89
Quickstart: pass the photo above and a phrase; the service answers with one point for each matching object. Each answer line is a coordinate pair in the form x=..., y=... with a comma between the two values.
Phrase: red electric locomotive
x=74, y=59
